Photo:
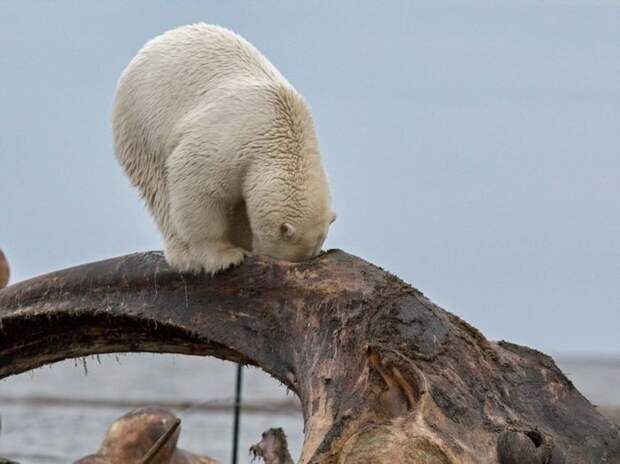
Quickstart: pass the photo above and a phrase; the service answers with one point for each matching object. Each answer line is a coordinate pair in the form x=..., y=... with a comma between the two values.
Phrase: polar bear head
x=294, y=240
x=292, y=223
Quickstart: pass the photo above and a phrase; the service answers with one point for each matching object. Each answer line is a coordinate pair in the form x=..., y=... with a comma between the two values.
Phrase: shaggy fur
x=223, y=150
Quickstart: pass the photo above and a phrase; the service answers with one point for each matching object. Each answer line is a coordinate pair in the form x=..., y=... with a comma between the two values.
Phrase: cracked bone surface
x=383, y=374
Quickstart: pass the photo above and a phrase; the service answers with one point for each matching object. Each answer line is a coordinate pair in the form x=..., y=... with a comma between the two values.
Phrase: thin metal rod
x=161, y=441
x=235, y=444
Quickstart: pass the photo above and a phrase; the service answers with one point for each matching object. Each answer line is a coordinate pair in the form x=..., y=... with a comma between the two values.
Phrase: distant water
x=40, y=432
x=597, y=378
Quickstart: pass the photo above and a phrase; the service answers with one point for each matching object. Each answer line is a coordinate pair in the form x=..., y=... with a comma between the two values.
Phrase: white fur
x=223, y=150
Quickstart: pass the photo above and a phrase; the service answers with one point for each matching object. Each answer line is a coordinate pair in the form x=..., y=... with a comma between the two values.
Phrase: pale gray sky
x=473, y=147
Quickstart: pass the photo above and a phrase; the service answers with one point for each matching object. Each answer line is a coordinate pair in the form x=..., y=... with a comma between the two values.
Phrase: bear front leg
x=216, y=255
x=201, y=226
x=203, y=244
x=177, y=254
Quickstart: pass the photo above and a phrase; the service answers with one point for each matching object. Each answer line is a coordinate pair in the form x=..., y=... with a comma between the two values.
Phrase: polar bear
x=223, y=150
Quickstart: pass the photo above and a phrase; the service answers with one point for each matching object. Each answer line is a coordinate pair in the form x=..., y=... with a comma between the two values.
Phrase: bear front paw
x=211, y=257
x=178, y=256
x=223, y=259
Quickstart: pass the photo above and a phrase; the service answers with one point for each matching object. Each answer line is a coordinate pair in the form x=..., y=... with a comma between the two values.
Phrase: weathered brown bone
x=383, y=374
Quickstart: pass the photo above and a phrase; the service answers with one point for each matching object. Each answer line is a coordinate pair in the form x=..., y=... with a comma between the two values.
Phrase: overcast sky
x=473, y=147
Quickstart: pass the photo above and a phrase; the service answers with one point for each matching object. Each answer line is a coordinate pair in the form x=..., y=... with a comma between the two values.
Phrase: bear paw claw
x=224, y=259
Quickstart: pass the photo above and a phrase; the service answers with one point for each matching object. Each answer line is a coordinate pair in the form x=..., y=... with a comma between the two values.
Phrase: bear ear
x=333, y=217
x=287, y=230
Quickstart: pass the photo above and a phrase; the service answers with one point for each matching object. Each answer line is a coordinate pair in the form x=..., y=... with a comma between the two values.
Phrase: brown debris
x=273, y=448
x=134, y=438
x=5, y=270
